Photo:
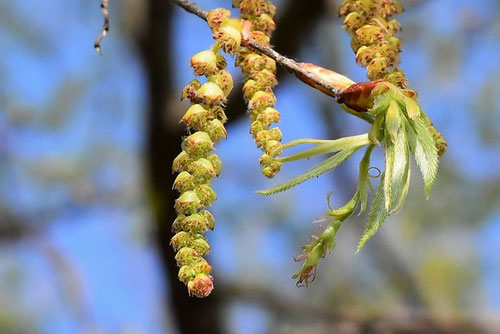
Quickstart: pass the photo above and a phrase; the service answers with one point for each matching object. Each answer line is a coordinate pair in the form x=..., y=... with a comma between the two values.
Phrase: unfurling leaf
x=376, y=216
x=321, y=168
x=424, y=149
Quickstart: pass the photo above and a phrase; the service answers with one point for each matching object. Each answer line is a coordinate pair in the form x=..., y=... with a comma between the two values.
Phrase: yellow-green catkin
x=373, y=37
x=197, y=165
x=377, y=48
x=260, y=73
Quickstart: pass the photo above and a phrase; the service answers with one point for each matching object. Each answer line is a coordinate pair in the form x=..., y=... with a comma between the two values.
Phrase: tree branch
x=105, y=27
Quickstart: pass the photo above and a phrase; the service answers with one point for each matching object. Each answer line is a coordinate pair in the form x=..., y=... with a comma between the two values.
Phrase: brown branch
x=105, y=27
x=290, y=64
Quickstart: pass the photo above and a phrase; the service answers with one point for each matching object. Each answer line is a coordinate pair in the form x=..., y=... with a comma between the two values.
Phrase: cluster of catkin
x=260, y=74
x=373, y=37
x=197, y=163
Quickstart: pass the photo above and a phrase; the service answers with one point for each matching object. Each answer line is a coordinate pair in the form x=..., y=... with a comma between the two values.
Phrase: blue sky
x=102, y=142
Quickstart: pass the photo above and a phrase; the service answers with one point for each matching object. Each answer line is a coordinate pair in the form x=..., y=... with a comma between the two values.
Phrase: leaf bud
x=184, y=182
x=198, y=144
x=181, y=162
x=180, y=240
x=187, y=203
x=186, y=256
x=216, y=163
x=204, y=63
x=211, y=94
x=202, y=169
x=201, y=286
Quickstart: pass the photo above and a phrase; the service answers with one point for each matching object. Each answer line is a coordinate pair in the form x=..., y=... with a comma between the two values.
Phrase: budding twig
x=105, y=27
x=290, y=64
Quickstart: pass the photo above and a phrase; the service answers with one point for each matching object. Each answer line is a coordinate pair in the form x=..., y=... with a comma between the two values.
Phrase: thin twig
x=290, y=64
x=105, y=27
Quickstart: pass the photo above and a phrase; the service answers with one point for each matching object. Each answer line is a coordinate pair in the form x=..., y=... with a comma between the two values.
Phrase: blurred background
x=86, y=144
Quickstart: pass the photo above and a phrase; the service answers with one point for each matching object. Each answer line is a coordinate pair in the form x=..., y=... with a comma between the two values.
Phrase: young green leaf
x=390, y=155
x=364, y=165
x=376, y=216
x=321, y=168
x=329, y=147
x=400, y=168
x=424, y=149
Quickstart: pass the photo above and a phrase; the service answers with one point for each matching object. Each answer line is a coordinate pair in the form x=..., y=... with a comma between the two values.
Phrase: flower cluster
x=197, y=166
x=260, y=73
x=373, y=37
